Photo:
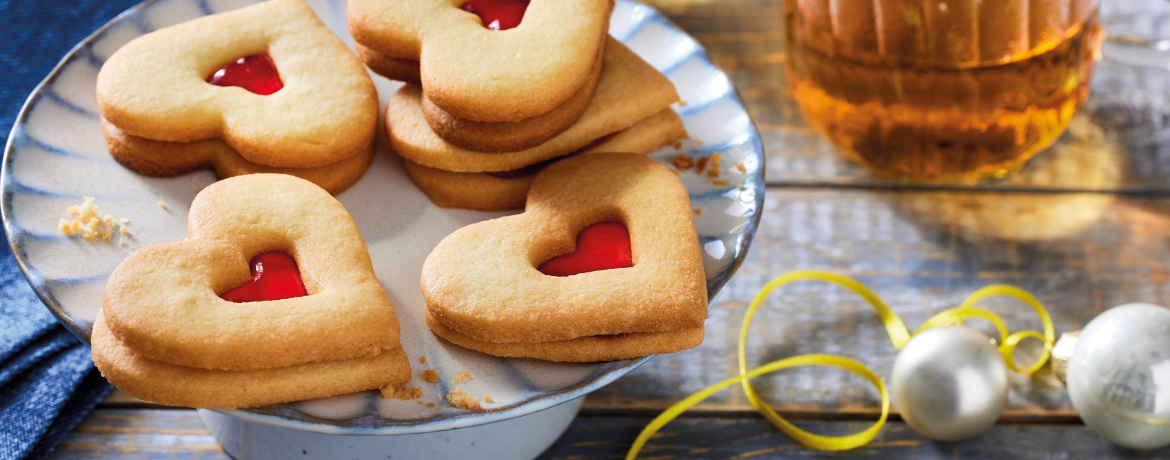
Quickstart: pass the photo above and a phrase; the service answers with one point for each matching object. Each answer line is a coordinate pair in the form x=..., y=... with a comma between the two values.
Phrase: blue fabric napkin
x=47, y=379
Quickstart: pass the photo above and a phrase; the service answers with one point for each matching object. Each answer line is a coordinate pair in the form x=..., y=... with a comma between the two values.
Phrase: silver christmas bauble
x=1119, y=375
x=949, y=383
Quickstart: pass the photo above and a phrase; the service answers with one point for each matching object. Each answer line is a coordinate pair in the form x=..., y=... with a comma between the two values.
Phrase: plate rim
x=442, y=422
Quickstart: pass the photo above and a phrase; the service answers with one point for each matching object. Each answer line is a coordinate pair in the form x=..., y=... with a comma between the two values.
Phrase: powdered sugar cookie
x=479, y=74
x=287, y=92
x=606, y=247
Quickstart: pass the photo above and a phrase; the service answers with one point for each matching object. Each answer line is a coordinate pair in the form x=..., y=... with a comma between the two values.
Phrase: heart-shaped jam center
x=600, y=246
x=256, y=73
x=274, y=277
x=497, y=14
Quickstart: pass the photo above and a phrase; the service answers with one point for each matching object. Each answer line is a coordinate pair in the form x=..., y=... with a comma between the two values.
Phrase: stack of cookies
x=186, y=324
x=486, y=107
x=285, y=96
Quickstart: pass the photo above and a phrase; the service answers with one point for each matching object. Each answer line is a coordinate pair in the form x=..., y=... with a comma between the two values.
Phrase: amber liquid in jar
x=941, y=90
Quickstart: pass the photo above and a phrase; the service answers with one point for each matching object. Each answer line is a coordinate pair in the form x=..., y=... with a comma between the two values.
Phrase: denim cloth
x=47, y=379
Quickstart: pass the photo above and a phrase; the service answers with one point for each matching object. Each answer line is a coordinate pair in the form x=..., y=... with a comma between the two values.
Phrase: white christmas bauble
x=949, y=383
x=1119, y=375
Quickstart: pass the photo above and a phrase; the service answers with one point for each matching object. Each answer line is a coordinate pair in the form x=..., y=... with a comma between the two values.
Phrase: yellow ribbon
x=898, y=336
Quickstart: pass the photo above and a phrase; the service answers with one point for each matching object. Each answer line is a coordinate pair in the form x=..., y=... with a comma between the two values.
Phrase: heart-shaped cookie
x=164, y=301
x=479, y=74
x=501, y=191
x=484, y=291
x=172, y=385
x=165, y=159
x=325, y=110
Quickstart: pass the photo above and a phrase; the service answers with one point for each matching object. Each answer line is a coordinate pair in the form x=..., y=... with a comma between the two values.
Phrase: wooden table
x=1081, y=228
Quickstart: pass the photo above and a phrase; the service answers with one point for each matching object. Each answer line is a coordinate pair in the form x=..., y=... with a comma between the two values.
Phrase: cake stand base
x=523, y=437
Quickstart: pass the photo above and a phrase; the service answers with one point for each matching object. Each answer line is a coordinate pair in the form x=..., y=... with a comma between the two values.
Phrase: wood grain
x=923, y=252
x=179, y=434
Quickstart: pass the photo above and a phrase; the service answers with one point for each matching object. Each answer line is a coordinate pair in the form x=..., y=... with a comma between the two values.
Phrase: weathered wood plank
x=731, y=438
x=923, y=252
x=141, y=434
x=180, y=435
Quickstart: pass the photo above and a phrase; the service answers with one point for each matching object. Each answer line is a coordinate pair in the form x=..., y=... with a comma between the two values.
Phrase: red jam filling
x=600, y=246
x=538, y=167
x=274, y=277
x=497, y=14
x=256, y=73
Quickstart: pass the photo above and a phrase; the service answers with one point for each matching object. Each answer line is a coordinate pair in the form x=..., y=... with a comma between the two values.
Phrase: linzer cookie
x=262, y=87
x=263, y=300
x=496, y=137
x=486, y=60
x=631, y=95
x=164, y=159
x=501, y=191
x=604, y=264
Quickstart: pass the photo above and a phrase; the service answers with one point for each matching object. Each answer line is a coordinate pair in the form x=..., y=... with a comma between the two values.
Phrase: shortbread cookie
x=479, y=74
x=629, y=90
x=581, y=349
x=508, y=190
x=172, y=385
x=512, y=301
x=165, y=303
x=325, y=109
x=160, y=158
x=512, y=136
x=404, y=70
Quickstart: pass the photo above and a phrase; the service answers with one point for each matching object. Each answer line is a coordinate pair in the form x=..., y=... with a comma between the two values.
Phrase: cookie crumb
x=487, y=399
x=678, y=145
x=682, y=102
x=430, y=376
x=714, y=171
x=88, y=223
x=698, y=212
x=683, y=162
x=741, y=167
x=699, y=141
x=430, y=404
x=459, y=398
x=162, y=204
x=422, y=359
x=407, y=393
x=462, y=377
x=420, y=403
x=701, y=165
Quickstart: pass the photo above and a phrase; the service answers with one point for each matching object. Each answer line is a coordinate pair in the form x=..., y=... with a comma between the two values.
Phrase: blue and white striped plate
x=56, y=154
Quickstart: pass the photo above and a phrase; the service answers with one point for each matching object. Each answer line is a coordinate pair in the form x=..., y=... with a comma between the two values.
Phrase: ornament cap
x=1063, y=352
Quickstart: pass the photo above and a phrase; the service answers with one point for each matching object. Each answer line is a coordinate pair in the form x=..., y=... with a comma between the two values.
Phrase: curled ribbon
x=899, y=336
